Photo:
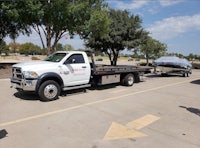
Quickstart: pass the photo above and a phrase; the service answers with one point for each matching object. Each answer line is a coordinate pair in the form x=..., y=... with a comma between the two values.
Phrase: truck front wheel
x=49, y=90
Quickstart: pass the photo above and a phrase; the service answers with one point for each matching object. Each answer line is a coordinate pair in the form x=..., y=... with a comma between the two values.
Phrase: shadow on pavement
x=27, y=96
x=73, y=92
x=163, y=75
x=196, y=82
x=192, y=110
x=153, y=76
x=3, y=133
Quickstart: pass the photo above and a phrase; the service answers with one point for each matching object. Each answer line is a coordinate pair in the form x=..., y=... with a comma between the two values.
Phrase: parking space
x=159, y=112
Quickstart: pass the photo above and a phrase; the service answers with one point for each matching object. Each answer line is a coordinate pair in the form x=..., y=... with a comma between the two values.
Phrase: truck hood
x=35, y=66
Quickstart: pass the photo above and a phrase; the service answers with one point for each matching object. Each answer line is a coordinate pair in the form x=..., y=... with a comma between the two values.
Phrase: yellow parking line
x=87, y=104
x=142, y=122
x=130, y=130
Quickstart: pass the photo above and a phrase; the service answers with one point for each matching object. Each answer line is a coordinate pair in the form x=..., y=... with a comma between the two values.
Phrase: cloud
x=134, y=4
x=174, y=26
x=166, y=3
x=153, y=10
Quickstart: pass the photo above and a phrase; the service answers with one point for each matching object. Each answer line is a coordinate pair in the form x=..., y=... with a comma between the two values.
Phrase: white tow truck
x=67, y=70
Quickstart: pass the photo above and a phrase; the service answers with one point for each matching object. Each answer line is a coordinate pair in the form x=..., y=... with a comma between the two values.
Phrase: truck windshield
x=55, y=57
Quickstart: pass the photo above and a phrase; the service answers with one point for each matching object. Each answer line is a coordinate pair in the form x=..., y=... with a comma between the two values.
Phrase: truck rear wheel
x=49, y=90
x=129, y=80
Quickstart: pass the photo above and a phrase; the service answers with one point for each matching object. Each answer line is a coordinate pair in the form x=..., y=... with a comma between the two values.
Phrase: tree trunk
x=15, y=47
x=58, y=36
x=48, y=39
x=147, y=59
x=110, y=56
x=40, y=35
x=115, y=57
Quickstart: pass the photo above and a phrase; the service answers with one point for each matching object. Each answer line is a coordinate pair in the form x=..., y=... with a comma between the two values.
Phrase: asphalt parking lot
x=159, y=112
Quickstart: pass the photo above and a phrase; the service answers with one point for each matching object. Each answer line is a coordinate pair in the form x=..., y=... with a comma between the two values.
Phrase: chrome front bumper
x=24, y=84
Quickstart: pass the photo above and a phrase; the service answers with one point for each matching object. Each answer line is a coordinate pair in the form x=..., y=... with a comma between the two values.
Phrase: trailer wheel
x=129, y=80
x=49, y=90
x=186, y=74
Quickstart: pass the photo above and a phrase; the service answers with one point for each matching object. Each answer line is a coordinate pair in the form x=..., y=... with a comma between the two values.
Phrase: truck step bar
x=76, y=87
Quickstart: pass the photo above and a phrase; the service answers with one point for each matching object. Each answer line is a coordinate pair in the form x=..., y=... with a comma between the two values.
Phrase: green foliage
x=175, y=54
x=193, y=57
x=105, y=30
x=63, y=16
x=30, y=49
x=59, y=47
x=152, y=48
x=99, y=25
x=14, y=47
x=16, y=16
x=9, y=16
x=3, y=47
x=124, y=32
x=53, y=18
x=68, y=47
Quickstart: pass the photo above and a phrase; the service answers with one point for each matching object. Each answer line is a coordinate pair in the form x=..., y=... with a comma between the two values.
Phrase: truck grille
x=17, y=73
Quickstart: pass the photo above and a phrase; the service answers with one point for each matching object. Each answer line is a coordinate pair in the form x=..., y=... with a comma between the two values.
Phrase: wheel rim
x=130, y=80
x=50, y=91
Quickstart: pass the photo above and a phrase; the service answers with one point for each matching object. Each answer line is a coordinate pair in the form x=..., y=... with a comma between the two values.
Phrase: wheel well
x=49, y=78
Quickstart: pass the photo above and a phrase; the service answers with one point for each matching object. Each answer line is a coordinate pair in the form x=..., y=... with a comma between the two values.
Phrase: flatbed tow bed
x=118, y=69
x=107, y=69
x=107, y=74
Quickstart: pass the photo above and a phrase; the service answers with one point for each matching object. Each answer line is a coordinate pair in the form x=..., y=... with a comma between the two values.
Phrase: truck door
x=76, y=71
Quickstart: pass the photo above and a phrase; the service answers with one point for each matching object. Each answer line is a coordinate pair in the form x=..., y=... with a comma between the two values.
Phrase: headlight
x=30, y=74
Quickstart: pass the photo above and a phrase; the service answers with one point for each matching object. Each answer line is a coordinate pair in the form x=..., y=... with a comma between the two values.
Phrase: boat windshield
x=55, y=57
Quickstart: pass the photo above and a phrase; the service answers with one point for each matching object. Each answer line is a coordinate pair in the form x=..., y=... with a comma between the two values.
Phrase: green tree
x=68, y=47
x=8, y=15
x=152, y=48
x=57, y=18
x=13, y=17
x=51, y=19
x=14, y=47
x=30, y=49
x=59, y=47
x=124, y=32
x=175, y=54
x=3, y=47
x=191, y=56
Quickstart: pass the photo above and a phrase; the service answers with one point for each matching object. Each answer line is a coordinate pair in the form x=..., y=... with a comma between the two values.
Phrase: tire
x=129, y=80
x=163, y=74
x=186, y=74
x=136, y=77
x=49, y=90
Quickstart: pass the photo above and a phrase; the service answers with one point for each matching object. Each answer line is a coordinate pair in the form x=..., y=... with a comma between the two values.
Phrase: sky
x=173, y=22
